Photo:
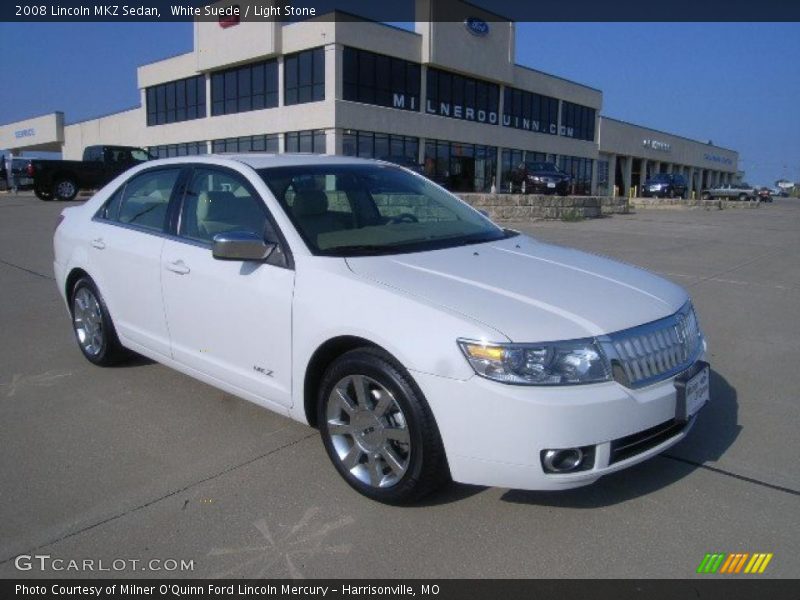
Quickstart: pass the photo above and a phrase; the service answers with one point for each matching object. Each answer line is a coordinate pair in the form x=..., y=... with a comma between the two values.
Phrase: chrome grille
x=649, y=353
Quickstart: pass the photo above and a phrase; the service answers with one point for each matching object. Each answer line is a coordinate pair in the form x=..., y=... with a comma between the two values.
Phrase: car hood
x=527, y=290
x=548, y=175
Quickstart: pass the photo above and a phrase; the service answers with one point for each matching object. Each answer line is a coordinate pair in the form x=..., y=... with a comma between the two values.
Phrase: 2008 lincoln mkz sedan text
x=424, y=341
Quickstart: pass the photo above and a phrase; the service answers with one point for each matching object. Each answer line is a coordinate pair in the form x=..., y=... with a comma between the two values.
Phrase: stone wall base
x=529, y=207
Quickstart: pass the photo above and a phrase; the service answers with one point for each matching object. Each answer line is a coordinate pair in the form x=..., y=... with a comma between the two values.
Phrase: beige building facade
x=448, y=96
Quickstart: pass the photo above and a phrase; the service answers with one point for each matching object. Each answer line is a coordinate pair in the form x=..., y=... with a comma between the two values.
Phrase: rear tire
x=65, y=189
x=92, y=325
x=378, y=429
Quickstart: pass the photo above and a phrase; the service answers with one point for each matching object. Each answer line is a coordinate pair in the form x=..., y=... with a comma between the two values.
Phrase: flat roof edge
x=583, y=85
x=104, y=115
x=683, y=137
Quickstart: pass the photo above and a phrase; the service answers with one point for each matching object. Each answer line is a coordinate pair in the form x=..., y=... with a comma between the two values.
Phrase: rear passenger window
x=145, y=199
x=219, y=202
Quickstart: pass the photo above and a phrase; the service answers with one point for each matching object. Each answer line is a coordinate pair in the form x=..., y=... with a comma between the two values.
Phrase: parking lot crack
x=765, y=484
x=163, y=497
x=714, y=276
x=30, y=271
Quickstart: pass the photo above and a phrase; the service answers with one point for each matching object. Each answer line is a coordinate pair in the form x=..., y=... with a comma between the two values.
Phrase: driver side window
x=219, y=202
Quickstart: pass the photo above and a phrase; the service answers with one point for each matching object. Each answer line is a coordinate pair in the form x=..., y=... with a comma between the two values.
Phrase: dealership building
x=447, y=95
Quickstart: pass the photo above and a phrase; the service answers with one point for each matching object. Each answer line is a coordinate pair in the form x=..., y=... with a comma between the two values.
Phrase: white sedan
x=422, y=340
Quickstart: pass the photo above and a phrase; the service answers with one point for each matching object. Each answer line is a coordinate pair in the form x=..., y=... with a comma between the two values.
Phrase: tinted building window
x=251, y=87
x=304, y=76
x=577, y=121
x=402, y=149
x=459, y=97
x=383, y=80
x=176, y=101
x=581, y=171
x=184, y=149
x=461, y=167
x=247, y=143
x=305, y=141
x=533, y=112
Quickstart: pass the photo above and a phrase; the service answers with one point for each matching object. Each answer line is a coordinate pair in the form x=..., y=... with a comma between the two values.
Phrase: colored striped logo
x=739, y=562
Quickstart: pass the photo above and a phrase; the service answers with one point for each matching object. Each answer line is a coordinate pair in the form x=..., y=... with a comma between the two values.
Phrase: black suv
x=536, y=177
x=666, y=185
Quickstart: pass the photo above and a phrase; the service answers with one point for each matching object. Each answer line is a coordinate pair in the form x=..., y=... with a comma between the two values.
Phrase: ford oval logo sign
x=476, y=26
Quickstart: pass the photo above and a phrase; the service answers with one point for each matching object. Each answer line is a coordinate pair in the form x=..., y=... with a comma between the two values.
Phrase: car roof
x=262, y=160
x=290, y=159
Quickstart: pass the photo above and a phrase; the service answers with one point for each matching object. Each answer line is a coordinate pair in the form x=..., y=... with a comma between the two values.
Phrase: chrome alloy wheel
x=368, y=431
x=87, y=319
x=66, y=189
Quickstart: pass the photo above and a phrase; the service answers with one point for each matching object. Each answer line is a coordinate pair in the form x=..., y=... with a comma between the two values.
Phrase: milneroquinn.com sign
x=447, y=109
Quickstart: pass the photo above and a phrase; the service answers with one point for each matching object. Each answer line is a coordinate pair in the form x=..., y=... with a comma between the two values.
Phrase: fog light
x=568, y=460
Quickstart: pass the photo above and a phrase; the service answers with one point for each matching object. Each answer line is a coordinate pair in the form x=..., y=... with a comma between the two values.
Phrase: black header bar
x=484, y=11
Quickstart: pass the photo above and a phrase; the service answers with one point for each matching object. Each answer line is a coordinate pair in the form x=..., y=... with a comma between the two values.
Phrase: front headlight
x=553, y=363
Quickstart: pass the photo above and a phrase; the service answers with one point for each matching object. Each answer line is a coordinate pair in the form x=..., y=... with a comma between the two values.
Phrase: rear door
x=127, y=236
x=230, y=320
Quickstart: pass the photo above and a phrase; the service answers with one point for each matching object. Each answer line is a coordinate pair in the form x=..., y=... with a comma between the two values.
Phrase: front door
x=230, y=320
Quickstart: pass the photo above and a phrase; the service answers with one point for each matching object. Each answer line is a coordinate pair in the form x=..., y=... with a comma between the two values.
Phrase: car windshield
x=660, y=177
x=370, y=209
x=542, y=166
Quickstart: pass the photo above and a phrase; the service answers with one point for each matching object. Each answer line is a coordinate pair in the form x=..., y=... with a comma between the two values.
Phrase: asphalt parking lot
x=140, y=462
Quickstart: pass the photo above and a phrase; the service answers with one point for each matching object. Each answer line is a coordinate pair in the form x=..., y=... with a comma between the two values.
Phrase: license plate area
x=693, y=390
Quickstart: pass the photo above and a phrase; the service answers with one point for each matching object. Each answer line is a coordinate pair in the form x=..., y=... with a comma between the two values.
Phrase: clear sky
x=735, y=84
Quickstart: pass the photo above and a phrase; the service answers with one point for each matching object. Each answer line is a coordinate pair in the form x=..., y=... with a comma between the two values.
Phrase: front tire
x=378, y=430
x=43, y=194
x=65, y=189
x=92, y=325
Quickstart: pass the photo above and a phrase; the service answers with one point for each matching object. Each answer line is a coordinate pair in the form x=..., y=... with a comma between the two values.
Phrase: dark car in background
x=20, y=173
x=538, y=177
x=764, y=194
x=666, y=185
x=63, y=179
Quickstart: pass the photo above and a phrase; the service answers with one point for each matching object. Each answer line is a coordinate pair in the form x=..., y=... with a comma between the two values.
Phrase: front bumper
x=542, y=187
x=494, y=433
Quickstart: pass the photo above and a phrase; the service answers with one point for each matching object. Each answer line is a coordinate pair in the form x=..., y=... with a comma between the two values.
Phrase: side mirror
x=241, y=245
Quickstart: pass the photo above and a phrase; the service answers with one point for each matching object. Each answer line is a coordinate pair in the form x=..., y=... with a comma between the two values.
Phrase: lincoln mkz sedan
x=422, y=340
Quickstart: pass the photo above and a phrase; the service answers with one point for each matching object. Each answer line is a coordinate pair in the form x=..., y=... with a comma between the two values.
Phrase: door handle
x=178, y=267
x=98, y=243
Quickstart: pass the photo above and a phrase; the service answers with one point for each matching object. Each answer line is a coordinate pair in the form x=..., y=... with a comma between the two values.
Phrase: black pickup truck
x=62, y=179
